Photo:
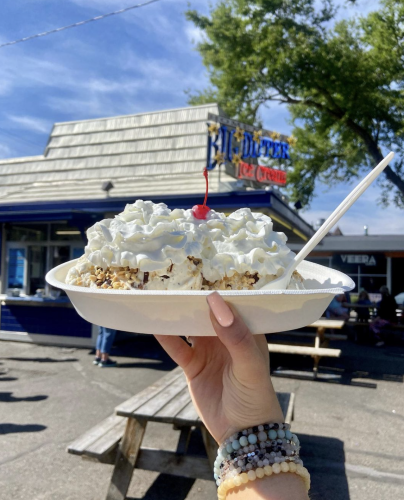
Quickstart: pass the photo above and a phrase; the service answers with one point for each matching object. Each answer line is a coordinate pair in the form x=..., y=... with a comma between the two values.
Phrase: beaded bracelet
x=258, y=432
x=257, y=446
x=261, y=472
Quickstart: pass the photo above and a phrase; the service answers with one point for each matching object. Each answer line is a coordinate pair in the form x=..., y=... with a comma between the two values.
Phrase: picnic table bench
x=118, y=439
x=321, y=339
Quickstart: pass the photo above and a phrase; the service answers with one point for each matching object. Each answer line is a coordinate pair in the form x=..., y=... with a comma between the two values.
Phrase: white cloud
x=31, y=123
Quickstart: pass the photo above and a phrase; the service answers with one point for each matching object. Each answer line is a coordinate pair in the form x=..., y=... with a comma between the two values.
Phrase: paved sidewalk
x=352, y=436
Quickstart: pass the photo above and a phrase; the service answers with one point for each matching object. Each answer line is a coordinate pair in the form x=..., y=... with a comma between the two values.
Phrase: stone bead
x=284, y=467
x=252, y=448
x=260, y=463
x=216, y=476
x=237, y=481
x=248, y=466
x=252, y=438
x=295, y=439
x=281, y=434
x=276, y=468
x=265, y=462
x=251, y=475
x=243, y=441
x=244, y=478
x=268, y=470
x=218, y=482
x=304, y=472
x=292, y=467
x=260, y=428
x=288, y=434
x=260, y=472
x=229, y=448
x=240, y=463
x=246, y=449
x=249, y=430
x=299, y=467
x=262, y=436
x=272, y=434
x=230, y=483
x=235, y=444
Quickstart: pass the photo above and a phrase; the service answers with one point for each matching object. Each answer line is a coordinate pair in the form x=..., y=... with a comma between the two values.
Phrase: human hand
x=228, y=375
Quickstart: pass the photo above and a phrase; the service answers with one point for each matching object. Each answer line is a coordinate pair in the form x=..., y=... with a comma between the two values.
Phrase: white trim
x=38, y=338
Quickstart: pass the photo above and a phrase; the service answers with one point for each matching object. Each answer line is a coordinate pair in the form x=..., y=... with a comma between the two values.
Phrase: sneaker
x=96, y=361
x=107, y=363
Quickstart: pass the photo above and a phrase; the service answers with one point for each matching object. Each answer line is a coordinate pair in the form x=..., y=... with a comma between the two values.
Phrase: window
x=368, y=271
x=27, y=232
x=33, y=249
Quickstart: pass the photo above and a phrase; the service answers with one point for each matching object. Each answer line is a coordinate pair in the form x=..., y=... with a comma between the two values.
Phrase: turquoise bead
x=281, y=434
x=243, y=441
x=295, y=439
x=229, y=448
x=288, y=435
x=236, y=445
x=272, y=434
x=252, y=439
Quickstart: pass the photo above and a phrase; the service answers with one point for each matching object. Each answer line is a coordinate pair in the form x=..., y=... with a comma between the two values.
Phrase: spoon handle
x=342, y=208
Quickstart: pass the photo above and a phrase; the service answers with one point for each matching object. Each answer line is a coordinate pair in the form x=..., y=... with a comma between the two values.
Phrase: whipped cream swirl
x=151, y=237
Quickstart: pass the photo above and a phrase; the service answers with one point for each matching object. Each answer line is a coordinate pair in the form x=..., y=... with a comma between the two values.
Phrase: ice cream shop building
x=91, y=169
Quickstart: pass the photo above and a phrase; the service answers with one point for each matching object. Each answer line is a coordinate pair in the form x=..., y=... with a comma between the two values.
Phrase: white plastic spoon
x=282, y=282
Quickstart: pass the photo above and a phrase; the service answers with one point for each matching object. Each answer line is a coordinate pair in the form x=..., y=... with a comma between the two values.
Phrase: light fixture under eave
x=65, y=233
x=107, y=186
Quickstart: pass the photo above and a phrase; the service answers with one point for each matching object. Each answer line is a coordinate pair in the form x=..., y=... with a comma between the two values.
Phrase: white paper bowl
x=187, y=313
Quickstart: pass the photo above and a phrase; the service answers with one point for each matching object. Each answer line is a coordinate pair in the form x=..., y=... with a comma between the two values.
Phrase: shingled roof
x=146, y=154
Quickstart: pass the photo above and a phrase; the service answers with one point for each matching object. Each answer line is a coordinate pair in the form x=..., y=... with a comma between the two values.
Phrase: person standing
x=386, y=315
x=105, y=339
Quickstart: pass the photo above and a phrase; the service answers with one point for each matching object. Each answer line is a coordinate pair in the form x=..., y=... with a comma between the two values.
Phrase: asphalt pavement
x=351, y=431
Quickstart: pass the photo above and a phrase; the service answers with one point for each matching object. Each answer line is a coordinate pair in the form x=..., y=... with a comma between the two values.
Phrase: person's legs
x=99, y=342
x=107, y=341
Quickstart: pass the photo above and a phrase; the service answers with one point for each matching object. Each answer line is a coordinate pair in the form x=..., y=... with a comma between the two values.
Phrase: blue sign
x=231, y=141
x=16, y=267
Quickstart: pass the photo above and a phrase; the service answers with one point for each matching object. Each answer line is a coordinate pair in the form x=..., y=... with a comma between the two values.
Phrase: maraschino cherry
x=201, y=211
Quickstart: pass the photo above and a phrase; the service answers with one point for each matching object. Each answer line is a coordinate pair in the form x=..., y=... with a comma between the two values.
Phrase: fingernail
x=220, y=309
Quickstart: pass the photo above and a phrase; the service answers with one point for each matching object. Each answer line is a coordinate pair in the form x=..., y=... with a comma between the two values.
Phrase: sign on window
x=16, y=267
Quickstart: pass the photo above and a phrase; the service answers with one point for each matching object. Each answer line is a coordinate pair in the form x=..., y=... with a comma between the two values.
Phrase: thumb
x=232, y=331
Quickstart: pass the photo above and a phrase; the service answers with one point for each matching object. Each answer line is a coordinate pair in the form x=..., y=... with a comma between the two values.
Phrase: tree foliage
x=342, y=82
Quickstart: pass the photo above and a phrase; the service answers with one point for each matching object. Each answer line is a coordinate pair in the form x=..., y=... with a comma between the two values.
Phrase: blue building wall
x=60, y=321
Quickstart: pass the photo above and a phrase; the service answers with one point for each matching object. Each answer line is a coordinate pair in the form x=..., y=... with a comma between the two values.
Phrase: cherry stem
x=205, y=173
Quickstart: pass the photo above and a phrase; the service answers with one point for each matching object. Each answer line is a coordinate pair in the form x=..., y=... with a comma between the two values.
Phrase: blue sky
x=143, y=60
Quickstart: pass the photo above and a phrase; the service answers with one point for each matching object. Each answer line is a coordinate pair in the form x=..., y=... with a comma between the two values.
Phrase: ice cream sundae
x=150, y=247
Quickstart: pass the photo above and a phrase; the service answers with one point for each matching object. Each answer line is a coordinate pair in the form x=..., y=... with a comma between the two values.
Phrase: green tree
x=341, y=81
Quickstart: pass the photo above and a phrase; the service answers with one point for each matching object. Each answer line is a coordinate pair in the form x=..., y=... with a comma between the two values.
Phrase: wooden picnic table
x=321, y=341
x=118, y=439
